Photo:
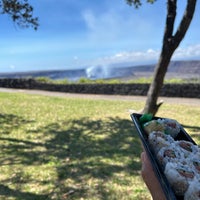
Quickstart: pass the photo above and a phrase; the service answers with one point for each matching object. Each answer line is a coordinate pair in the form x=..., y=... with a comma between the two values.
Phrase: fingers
x=146, y=171
x=150, y=179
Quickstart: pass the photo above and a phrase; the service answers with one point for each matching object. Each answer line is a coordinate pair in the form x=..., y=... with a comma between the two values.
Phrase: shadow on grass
x=17, y=194
x=81, y=151
x=194, y=130
x=94, y=150
x=85, y=154
x=9, y=122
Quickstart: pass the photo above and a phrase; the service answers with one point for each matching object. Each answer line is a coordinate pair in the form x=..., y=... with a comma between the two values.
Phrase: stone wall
x=168, y=90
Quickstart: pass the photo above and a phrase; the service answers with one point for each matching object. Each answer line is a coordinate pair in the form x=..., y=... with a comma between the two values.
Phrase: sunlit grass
x=140, y=80
x=68, y=148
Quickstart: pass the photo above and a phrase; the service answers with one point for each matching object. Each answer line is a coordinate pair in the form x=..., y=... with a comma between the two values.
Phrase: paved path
x=187, y=101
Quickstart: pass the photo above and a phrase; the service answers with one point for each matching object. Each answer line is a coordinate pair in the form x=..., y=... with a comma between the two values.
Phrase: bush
x=44, y=79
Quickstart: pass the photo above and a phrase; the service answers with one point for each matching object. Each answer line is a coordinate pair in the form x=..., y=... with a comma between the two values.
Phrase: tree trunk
x=170, y=43
x=151, y=105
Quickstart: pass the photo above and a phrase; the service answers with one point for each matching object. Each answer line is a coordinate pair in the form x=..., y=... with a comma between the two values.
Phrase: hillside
x=178, y=69
x=52, y=74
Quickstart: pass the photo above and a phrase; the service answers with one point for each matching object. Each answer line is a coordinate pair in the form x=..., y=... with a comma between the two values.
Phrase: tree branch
x=171, y=15
x=20, y=11
x=185, y=22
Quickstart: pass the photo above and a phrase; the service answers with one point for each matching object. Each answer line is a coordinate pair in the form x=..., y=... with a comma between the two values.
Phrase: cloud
x=12, y=67
x=135, y=57
x=102, y=27
x=115, y=25
x=148, y=56
x=190, y=52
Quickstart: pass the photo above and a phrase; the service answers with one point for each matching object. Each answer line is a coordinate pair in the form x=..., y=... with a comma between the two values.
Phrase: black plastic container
x=183, y=135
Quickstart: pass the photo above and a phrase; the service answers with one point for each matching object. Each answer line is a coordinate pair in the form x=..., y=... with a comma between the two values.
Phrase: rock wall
x=168, y=90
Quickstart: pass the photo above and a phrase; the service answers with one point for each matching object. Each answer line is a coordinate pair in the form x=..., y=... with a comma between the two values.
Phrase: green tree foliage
x=20, y=11
x=138, y=3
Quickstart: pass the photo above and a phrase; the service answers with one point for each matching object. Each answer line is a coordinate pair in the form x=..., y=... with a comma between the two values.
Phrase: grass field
x=142, y=80
x=67, y=148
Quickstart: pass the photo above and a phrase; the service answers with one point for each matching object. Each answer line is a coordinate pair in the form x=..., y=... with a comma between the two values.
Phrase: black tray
x=183, y=135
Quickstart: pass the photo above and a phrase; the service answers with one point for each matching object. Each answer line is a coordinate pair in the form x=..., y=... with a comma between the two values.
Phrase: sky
x=82, y=33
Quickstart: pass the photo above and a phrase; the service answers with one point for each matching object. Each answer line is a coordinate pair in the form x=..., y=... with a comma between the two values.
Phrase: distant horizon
x=85, y=67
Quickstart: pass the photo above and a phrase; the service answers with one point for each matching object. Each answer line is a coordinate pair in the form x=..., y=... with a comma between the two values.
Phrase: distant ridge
x=175, y=66
x=71, y=74
x=178, y=69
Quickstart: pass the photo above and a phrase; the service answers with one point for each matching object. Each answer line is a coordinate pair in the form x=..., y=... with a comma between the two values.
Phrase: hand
x=150, y=178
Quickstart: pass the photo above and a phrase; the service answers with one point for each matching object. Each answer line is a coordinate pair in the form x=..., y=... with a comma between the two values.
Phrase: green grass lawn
x=67, y=148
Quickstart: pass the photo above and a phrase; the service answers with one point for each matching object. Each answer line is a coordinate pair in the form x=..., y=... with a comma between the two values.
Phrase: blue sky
x=82, y=33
